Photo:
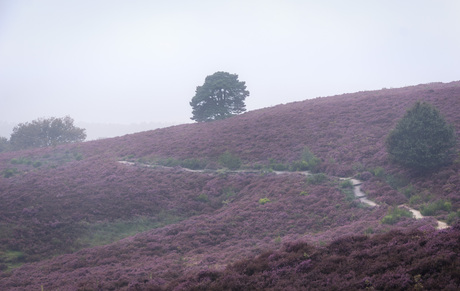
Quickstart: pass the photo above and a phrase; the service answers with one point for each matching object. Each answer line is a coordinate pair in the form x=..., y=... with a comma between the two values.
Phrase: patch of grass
x=103, y=233
x=304, y=193
x=11, y=259
x=263, y=201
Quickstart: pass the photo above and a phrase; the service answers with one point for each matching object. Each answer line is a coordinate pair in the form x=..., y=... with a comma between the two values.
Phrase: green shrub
x=346, y=184
x=415, y=199
x=395, y=214
x=230, y=161
x=378, y=172
x=308, y=161
x=193, y=164
x=422, y=139
x=453, y=217
x=202, y=198
x=396, y=182
x=78, y=156
x=275, y=166
x=408, y=191
x=431, y=209
x=7, y=173
x=263, y=201
x=316, y=179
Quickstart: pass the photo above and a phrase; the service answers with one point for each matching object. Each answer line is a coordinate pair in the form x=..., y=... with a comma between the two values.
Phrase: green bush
x=346, y=184
x=308, y=161
x=408, y=191
x=202, y=198
x=422, y=139
x=230, y=161
x=396, y=182
x=453, y=217
x=7, y=173
x=415, y=199
x=276, y=166
x=316, y=179
x=395, y=214
x=379, y=172
x=193, y=164
x=431, y=209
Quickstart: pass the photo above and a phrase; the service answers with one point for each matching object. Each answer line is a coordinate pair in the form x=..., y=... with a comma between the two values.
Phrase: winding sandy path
x=418, y=215
x=356, y=186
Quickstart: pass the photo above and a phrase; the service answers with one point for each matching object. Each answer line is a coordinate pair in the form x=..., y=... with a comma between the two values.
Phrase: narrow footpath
x=356, y=186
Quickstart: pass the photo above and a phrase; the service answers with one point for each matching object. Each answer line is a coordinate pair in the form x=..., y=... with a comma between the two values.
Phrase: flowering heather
x=73, y=218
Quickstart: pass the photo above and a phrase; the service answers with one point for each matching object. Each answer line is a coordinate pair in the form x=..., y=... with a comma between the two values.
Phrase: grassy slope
x=56, y=206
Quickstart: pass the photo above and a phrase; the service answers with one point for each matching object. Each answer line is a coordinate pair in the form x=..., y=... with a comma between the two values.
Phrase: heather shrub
x=364, y=176
x=395, y=214
x=430, y=209
x=230, y=161
x=422, y=140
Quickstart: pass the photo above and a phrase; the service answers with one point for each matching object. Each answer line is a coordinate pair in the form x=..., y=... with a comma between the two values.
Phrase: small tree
x=422, y=139
x=46, y=132
x=221, y=96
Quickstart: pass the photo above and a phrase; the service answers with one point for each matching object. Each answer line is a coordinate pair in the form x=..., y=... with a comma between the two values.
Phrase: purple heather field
x=72, y=217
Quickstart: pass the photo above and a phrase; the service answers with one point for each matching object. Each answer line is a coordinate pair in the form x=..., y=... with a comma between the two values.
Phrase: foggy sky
x=140, y=61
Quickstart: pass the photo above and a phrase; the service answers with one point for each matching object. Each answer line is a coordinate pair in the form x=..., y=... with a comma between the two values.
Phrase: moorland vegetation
x=72, y=217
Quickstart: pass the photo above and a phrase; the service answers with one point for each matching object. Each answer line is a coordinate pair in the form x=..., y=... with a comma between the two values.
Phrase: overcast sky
x=136, y=61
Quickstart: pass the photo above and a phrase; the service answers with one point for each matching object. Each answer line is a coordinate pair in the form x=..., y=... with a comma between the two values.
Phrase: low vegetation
x=73, y=217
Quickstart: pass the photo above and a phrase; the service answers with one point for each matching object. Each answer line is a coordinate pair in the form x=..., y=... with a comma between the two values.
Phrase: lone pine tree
x=422, y=139
x=221, y=96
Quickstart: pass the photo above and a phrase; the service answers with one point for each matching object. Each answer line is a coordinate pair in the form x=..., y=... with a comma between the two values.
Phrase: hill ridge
x=80, y=201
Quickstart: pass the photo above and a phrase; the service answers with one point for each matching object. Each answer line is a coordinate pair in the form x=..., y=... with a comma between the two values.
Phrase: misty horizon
x=134, y=62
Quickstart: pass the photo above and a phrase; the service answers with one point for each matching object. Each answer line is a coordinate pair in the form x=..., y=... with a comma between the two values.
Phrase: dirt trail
x=418, y=215
x=356, y=186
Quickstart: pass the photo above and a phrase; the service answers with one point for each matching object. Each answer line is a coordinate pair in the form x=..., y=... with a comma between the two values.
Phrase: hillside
x=73, y=217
